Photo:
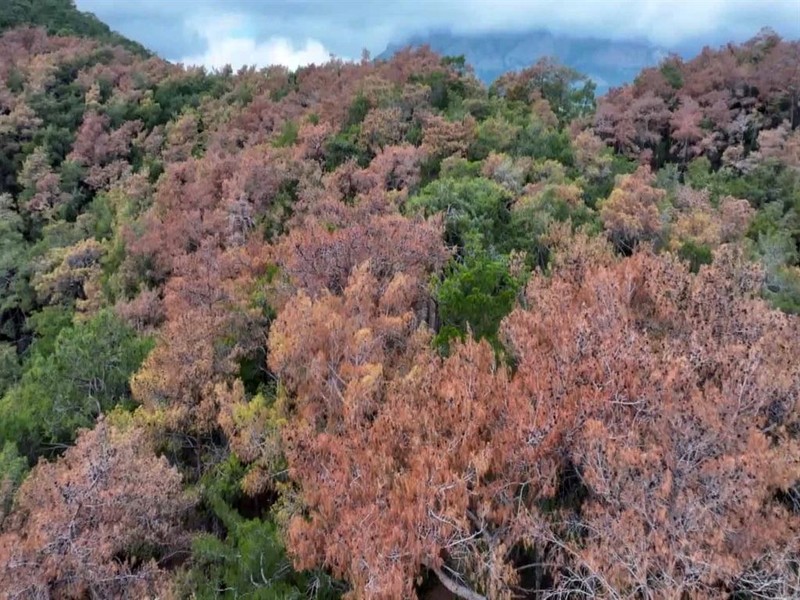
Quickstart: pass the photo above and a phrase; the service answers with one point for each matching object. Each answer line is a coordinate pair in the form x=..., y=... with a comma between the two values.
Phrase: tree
x=603, y=454
x=316, y=259
x=65, y=275
x=631, y=213
x=41, y=186
x=685, y=126
x=250, y=560
x=382, y=127
x=474, y=296
x=442, y=138
x=469, y=206
x=568, y=93
x=85, y=375
x=95, y=522
x=13, y=469
x=368, y=411
x=684, y=443
x=210, y=326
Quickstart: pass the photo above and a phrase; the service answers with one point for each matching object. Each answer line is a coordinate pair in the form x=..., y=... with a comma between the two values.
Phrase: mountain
x=370, y=320
x=609, y=63
x=61, y=17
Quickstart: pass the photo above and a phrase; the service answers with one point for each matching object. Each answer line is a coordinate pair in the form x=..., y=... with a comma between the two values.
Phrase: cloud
x=348, y=26
x=229, y=41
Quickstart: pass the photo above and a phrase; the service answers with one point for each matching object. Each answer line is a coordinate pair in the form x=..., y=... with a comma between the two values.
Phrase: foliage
x=474, y=296
x=61, y=391
x=13, y=469
x=250, y=561
x=392, y=331
x=95, y=522
x=476, y=206
x=60, y=17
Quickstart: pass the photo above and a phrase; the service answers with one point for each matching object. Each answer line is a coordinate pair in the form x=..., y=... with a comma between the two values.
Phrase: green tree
x=471, y=207
x=13, y=468
x=86, y=374
x=250, y=561
x=476, y=294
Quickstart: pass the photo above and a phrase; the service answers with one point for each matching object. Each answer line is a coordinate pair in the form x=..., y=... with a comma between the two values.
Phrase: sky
x=299, y=32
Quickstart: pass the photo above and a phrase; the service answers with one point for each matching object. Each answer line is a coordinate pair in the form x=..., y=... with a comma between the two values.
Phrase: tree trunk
x=459, y=590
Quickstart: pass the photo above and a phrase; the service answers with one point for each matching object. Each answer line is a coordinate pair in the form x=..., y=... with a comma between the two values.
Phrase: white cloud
x=229, y=43
x=347, y=26
x=663, y=22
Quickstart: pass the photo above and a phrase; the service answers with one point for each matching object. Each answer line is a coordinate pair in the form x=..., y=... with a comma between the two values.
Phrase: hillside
x=61, y=17
x=376, y=330
x=608, y=63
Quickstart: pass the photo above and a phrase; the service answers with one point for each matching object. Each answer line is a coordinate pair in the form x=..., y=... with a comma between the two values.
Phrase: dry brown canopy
x=669, y=397
x=676, y=396
x=730, y=92
x=94, y=522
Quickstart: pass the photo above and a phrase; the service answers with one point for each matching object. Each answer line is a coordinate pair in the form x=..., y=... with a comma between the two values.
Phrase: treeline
x=373, y=329
x=61, y=17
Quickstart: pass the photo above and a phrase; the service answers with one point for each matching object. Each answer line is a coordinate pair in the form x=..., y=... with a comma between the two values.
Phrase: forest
x=373, y=330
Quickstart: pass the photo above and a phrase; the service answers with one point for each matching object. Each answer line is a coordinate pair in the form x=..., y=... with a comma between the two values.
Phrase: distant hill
x=609, y=63
x=61, y=17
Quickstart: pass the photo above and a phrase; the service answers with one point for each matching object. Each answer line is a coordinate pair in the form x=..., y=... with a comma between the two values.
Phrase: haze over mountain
x=609, y=41
x=608, y=62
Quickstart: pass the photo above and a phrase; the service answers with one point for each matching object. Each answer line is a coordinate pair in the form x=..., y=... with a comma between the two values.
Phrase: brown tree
x=685, y=125
x=639, y=449
x=631, y=213
x=98, y=522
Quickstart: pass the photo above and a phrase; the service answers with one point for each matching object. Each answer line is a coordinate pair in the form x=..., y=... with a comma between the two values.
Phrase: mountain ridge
x=608, y=63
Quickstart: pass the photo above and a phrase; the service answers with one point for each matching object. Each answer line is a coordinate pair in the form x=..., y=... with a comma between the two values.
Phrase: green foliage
x=761, y=185
x=480, y=108
x=10, y=368
x=102, y=217
x=495, y=134
x=542, y=143
x=471, y=207
x=532, y=217
x=698, y=172
x=456, y=167
x=250, y=560
x=13, y=468
x=784, y=290
x=288, y=135
x=64, y=388
x=357, y=111
x=60, y=17
x=13, y=254
x=445, y=90
x=672, y=74
x=696, y=255
x=343, y=147
x=15, y=82
x=475, y=295
x=46, y=324
x=175, y=94
x=779, y=254
x=457, y=63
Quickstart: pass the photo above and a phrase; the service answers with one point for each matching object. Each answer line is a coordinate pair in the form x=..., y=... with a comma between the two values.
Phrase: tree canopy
x=374, y=330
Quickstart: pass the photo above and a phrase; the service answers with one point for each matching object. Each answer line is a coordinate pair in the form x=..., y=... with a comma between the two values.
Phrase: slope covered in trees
x=374, y=330
x=61, y=17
